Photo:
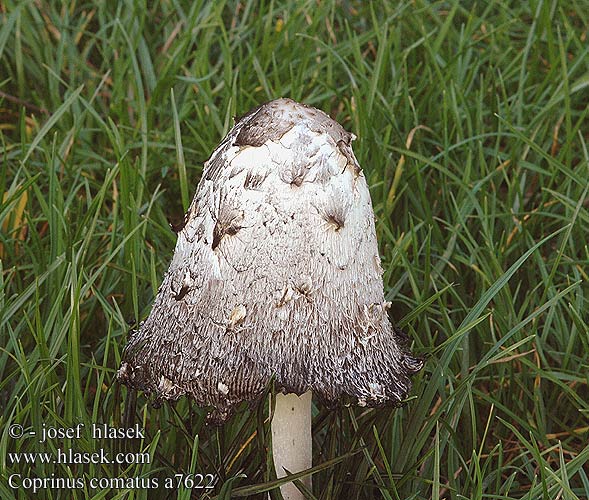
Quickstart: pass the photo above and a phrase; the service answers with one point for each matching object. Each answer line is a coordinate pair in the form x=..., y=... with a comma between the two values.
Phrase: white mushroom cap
x=275, y=275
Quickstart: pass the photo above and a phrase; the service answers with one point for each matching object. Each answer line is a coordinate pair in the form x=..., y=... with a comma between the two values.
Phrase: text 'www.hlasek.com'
x=71, y=449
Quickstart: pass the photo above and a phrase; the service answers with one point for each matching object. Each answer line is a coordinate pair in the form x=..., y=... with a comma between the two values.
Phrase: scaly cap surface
x=276, y=273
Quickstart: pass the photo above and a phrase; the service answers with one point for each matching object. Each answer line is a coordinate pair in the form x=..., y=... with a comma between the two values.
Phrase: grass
x=473, y=126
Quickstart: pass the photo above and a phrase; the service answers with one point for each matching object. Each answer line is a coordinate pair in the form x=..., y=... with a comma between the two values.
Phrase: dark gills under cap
x=275, y=276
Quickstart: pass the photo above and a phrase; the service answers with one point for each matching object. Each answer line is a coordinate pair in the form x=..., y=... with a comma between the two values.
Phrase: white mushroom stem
x=291, y=440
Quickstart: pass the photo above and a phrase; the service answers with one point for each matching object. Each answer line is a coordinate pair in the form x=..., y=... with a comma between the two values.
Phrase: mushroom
x=276, y=277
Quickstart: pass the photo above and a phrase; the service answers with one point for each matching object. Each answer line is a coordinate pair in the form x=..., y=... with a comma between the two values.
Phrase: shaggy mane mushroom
x=275, y=276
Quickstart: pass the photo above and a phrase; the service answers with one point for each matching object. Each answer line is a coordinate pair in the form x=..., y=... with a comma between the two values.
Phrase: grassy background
x=473, y=124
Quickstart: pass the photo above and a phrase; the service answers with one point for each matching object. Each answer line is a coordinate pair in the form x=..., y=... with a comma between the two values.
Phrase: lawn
x=472, y=124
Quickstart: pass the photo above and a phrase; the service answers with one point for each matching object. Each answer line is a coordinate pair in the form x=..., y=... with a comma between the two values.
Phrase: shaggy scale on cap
x=275, y=275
